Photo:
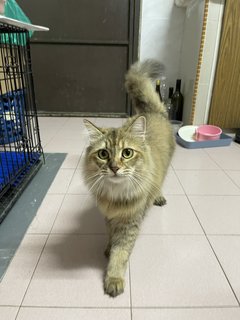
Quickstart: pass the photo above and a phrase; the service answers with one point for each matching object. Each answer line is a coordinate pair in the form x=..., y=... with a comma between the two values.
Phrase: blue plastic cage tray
x=14, y=166
x=11, y=117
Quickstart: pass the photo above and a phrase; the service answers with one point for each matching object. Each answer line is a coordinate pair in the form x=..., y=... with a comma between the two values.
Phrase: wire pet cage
x=20, y=146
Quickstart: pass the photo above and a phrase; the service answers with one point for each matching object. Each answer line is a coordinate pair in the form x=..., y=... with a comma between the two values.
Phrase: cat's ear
x=94, y=132
x=138, y=127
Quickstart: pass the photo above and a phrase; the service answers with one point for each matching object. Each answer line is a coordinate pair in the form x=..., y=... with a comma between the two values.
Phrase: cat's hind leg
x=109, y=232
x=107, y=251
x=160, y=201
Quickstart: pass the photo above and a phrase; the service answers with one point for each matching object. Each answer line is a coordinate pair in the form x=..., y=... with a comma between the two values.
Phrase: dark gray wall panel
x=79, y=65
x=73, y=20
x=82, y=78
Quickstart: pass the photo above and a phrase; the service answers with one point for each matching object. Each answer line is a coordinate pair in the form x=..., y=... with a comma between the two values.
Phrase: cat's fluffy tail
x=139, y=84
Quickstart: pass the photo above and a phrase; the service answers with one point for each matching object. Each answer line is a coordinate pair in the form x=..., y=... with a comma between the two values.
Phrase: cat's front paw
x=113, y=286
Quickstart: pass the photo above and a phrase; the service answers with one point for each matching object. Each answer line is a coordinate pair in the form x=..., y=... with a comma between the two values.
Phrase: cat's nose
x=114, y=169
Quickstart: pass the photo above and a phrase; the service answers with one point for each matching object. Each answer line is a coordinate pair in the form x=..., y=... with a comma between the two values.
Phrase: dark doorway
x=79, y=65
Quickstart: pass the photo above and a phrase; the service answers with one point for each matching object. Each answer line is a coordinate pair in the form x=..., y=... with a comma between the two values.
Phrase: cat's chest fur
x=126, y=208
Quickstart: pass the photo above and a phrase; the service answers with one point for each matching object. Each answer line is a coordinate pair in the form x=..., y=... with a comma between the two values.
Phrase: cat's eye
x=103, y=154
x=127, y=153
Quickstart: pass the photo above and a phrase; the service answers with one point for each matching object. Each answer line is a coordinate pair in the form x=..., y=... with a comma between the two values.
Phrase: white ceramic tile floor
x=185, y=264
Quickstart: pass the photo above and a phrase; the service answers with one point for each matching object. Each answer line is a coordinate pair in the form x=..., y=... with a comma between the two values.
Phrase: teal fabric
x=13, y=10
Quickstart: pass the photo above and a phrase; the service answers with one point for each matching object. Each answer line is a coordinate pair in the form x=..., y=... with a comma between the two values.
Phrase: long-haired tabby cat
x=125, y=168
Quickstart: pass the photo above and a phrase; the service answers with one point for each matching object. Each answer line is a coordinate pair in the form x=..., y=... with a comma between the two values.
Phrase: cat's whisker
x=99, y=190
x=96, y=182
x=148, y=180
x=91, y=177
x=145, y=189
x=138, y=184
x=133, y=184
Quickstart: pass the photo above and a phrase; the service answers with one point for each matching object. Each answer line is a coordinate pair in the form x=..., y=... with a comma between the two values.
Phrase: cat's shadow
x=82, y=247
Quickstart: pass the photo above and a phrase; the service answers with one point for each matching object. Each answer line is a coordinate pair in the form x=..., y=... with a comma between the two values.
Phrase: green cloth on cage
x=12, y=10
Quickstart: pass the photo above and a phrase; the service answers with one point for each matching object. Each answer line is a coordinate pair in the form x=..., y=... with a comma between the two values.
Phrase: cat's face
x=115, y=157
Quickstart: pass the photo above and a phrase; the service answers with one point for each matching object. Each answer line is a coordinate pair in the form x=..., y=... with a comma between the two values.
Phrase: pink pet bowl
x=208, y=132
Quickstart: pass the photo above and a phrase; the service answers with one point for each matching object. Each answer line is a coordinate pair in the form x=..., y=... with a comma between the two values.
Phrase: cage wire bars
x=20, y=145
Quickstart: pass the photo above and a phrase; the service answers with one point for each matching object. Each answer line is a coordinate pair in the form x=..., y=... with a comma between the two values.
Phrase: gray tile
x=218, y=214
x=187, y=314
x=70, y=273
x=177, y=271
x=227, y=249
x=176, y=217
x=203, y=182
x=19, y=273
x=73, y=314
x=8, y=313
x=79, y=215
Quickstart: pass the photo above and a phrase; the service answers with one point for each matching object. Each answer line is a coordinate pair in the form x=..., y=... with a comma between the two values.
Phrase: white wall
x=172, y=35
x=190, y=53
x=161, y=35
x=209, y=61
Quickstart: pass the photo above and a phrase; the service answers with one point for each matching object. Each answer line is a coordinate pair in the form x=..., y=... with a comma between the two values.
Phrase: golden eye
x=127, y=153
x=103, y=154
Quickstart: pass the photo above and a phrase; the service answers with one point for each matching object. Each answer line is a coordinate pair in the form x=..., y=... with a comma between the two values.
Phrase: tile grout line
x=212, y=159
x=64, y=197
x=219, y=262
x=130, y=290
x=47, y=238
x=216, y=257
x=19, y=307
x=187, y=307
x=26, y=234
x=142, y=234
x=222, y=169
x=50, y=233
x=73, y=307
x=225, y=171
x=40, y=255
x=206, y=236
x=127, y=308
x=58, y=130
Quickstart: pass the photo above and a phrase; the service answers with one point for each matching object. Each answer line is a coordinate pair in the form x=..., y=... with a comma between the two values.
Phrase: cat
x=125, y=168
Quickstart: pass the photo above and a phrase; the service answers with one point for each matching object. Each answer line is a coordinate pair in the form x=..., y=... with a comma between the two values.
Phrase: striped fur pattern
x=125, y=168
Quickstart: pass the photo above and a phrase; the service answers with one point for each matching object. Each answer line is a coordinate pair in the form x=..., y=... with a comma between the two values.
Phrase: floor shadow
x=83, y=247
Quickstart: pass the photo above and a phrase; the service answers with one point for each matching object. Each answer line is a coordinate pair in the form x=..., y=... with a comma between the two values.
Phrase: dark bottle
x=170, y=92
x=169, y=105
x=177, y=101
x=158, y=89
